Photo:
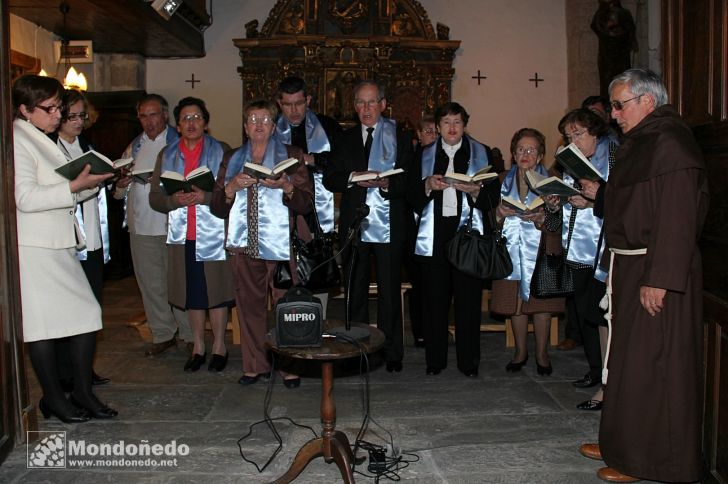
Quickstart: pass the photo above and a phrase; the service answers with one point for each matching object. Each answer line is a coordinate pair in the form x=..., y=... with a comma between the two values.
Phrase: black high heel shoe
x=79, y=415
x=544, y=370
x=100, y=412
x=516, y=366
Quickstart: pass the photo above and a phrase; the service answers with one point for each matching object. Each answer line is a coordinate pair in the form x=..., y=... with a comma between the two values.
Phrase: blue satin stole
x=210, y=230
x=585, y=237
x=426, y=229
x=522, y=236
x=103, y=221
x=273, y=225
x=316, y=142
x=382, y=157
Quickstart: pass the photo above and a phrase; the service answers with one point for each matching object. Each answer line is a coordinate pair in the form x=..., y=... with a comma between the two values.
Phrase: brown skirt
x=504, y=300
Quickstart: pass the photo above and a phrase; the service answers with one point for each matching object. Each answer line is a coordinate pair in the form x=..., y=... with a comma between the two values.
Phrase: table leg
x=333, y=445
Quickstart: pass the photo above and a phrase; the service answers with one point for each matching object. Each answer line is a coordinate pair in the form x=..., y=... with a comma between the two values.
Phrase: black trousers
x=441, y=285
x=585, y=303
x=388, y=266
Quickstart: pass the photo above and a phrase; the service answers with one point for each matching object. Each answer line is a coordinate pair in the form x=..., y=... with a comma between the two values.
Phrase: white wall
x=30, y=39
x=507, y=40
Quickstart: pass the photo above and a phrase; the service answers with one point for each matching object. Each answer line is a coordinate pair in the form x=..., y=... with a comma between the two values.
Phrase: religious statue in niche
x=340, y=86
x=615, y=29
x=292, y=22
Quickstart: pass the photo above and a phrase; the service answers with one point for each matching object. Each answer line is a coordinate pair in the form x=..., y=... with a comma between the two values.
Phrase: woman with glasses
x=57, y=300
x=581, y=232
x=91, y=215
x=199, y=280
x=511, y=296
x=260, y=215
x=443, y=208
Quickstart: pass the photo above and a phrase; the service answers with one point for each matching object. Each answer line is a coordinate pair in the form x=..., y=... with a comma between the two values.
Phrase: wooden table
x=333, y=445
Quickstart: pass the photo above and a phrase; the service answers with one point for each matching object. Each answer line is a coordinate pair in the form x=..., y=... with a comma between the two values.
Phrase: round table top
x=332, y=348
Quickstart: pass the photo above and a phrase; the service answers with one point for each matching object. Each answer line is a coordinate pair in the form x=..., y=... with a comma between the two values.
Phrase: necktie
x=252, y=249
x=368, y=143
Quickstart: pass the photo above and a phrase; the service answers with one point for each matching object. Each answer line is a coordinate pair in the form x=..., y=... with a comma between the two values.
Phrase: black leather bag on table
x=552, y=277
x=480, y=256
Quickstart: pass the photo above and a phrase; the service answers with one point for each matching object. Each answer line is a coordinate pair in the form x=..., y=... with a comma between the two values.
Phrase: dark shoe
x=590, y=405
x=98, y=380
x=470, y=373
x=195, y=362
x=249, y=380
x=101, y=412
x=516, y=366
x=158, y=348
x=586, y=382
x=544, y=370
x=433, y=370
x=610, y=474
x=292, y=382
x=79, y=415
x=217, y=362
x=591, y=451
x=394, y=366
x=567, y=345
x=419, y=342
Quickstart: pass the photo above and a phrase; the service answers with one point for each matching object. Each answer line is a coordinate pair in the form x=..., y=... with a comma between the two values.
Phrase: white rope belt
x=606, y=302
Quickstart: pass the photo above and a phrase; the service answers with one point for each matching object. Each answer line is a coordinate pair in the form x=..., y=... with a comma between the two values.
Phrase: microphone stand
x=347, y=331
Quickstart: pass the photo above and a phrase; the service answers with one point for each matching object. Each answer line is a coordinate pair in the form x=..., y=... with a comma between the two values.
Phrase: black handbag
x=316, y=266
x=480, y=256
x=552, y=277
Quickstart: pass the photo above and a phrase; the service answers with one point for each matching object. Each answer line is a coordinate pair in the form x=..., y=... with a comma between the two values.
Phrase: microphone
x=361, y=213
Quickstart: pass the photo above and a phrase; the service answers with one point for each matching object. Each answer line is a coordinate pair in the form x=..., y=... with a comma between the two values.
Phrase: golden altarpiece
x=333, y=44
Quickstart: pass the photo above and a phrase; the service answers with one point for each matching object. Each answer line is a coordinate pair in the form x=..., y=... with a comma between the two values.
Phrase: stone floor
x=497, y=428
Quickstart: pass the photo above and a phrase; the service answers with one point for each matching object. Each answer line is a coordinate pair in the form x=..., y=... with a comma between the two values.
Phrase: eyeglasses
x=429, y=131
x=191, y=118
x=360, y=103
x=297, y=104
x=526, y=151
x=77, y=116
x=619, y=105
x=265, y=120
x=50, y=109
x=575, y=135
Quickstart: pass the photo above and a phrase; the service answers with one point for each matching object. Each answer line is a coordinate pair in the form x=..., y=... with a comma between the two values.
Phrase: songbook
x=100, y=165
x=480, y=175
x=200, y=177
x=142, y=176
x=576, y=164
x=520, y=207
x=549, y=185
x=260, y=171
x=376, y=175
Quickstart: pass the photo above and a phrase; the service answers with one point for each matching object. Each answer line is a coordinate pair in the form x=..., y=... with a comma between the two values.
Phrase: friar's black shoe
x=394, y=366
x=593, y=405
x=433, y=370
x=586, y=382
x=472, y=373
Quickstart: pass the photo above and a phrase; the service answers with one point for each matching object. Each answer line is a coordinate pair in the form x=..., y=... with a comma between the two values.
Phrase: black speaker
x=299, y=319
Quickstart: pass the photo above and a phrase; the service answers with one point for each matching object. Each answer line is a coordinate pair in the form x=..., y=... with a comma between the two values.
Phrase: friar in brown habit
x=655, y=205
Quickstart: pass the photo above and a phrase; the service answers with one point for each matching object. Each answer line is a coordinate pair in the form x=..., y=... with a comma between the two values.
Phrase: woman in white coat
x=57, y=300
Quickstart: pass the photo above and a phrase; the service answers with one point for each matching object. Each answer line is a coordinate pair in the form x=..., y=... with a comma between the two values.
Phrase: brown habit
x=656, y=198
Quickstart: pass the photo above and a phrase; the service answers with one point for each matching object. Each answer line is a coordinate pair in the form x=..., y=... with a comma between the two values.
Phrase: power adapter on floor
x=377, y=461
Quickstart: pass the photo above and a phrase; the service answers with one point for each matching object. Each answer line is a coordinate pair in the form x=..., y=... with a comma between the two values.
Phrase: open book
x=200, y=177
x=463, y=178
x=100, y=165
x=142, y=176
x=376, y=175
x=549, y=185
x=576, y=164
x=260, y=171
x=520, y=207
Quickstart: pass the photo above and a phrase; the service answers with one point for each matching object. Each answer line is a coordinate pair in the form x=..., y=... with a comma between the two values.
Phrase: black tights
x=81, y=350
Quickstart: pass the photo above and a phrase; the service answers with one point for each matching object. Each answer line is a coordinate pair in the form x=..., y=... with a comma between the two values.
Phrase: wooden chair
x=507, y=326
